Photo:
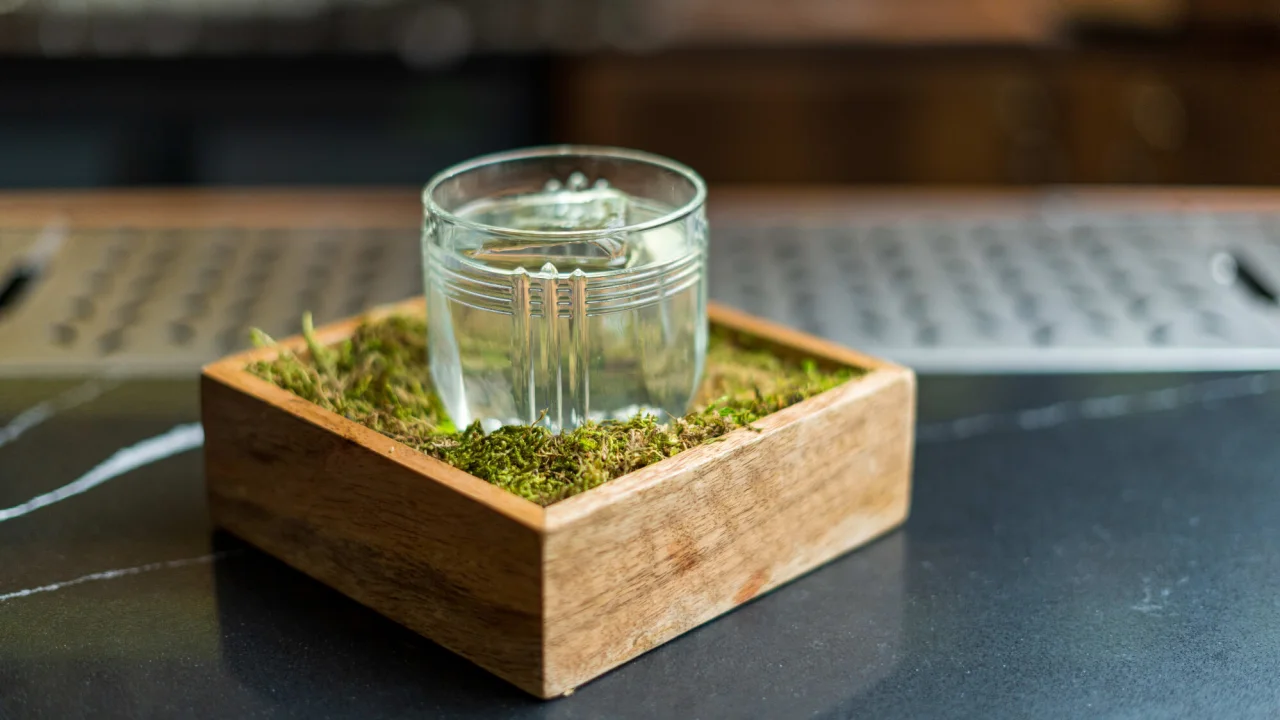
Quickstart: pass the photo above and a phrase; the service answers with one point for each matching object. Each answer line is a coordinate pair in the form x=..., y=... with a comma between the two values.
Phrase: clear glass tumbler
x=565, y=284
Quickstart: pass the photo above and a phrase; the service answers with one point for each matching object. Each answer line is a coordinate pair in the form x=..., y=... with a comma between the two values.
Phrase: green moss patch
x=379, y=378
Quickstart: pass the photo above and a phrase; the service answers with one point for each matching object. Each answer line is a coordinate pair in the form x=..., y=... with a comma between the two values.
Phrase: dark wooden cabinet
x=813, y=116
x=1016, y=116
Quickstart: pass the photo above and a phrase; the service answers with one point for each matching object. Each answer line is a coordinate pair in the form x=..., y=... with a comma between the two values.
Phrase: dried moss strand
x=380, y=378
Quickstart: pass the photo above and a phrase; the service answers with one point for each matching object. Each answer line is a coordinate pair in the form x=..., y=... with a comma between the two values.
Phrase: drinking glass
x=565, y=284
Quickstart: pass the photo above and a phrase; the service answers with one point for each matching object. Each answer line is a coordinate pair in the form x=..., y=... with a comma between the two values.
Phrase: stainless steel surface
x=1071, y=292
x=165, y=302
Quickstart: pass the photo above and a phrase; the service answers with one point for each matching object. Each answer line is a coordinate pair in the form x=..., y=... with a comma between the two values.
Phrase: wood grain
x=651, y=555
x=442, y=552
x=550, y=598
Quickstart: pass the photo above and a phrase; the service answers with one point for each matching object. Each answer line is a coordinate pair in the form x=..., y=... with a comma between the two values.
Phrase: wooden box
x=549, y=598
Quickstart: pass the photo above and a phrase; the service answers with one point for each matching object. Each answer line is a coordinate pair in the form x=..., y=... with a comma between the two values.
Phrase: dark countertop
x=1115, y=553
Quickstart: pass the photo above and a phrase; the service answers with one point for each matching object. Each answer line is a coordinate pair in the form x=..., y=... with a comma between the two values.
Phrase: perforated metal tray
x=1091, y=292
x=1075, y=293
x=165, y=302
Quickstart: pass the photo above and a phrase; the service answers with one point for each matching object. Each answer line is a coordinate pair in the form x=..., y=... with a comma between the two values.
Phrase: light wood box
x=549, y=598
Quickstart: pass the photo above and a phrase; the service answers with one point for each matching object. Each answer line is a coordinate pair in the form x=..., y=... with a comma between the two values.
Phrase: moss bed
x=379, y=378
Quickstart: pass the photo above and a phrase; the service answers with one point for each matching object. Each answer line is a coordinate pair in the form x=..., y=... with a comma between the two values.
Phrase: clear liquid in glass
x=527, y=329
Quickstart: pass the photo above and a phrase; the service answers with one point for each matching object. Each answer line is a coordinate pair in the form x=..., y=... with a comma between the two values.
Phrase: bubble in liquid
x=577, y=181
x=602, y=184
x=552, y=185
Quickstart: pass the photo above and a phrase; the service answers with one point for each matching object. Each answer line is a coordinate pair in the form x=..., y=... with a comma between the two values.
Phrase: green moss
x=379, y=378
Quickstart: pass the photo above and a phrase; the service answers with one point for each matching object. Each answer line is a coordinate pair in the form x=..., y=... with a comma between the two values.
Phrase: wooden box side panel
x=630, y=572
x=354, y=518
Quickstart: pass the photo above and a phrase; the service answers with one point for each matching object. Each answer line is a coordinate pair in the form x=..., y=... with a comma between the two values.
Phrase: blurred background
x=97, y=93
x=809, y=107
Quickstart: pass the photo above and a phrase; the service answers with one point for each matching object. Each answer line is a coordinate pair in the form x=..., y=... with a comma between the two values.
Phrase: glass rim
x=550, y=151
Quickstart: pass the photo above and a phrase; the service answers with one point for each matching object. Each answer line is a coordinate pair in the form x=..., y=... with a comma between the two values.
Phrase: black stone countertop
x=1085, y=546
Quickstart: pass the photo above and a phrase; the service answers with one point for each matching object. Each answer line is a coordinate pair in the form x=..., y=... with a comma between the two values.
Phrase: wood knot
x=751, y=587
x=684, y=555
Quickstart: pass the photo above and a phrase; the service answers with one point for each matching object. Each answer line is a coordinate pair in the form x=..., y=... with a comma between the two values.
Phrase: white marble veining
x=177, y=440
x=113, y=574
x=1099, y=408
x=42, y=411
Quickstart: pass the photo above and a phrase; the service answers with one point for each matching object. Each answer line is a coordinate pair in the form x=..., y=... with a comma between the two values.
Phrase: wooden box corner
x=549, y=598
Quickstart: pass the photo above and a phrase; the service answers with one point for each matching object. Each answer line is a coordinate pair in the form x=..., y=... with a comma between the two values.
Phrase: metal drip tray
x=1085, y=293
x=167, y=301
x=1080, y=293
